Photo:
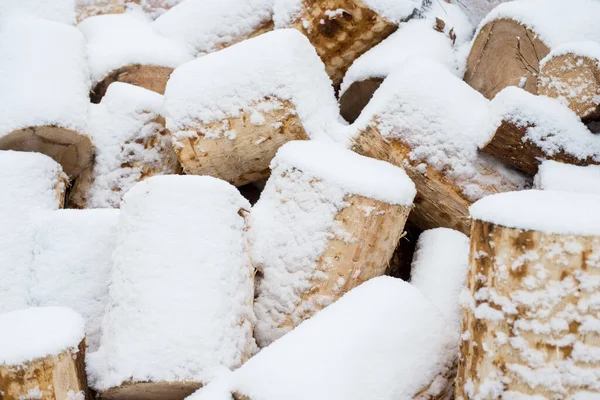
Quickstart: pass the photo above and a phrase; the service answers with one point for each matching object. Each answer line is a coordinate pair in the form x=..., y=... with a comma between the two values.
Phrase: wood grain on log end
x=151, y=391
x=357, y=96
x=150, y=77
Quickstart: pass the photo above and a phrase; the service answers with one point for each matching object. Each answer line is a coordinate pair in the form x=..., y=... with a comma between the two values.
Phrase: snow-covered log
x=554, y=175
x=131, y=143
x=515, y=36
x=30, y=182
x=572, y=72
x=531, y=326
x=44, y=97
x=56, y=10
x=526, y=129
x=152, y=8
x=72, y=263
x=383, y=340
x=127, y=48
x=430, y=122
x=342, y=30
x=230, y=111
x=42, y=353
x=180, y=299
x=327, y=221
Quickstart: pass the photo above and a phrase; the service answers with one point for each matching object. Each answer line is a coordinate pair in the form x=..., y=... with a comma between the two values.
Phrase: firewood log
x=131, y=142
x=527, y=129
x=327, y=221
x=230, y=111
x=45, y=109
x=411, y=123
x=530, y=313
x=45, y=363
x=181, y=272
x=572, y=72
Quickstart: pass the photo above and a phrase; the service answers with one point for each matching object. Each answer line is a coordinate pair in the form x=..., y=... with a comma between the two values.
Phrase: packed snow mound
x=553, y=175
x=54, y=10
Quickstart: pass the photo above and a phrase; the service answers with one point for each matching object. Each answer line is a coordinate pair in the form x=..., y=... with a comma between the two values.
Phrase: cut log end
x=151, y=391
x=357, y=96
x=505, y=53
x=72, y=150
x=150, y=77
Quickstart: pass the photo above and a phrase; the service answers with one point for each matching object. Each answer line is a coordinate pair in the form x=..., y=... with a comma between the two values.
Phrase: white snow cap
x=545, y=211
x=180, y=301
x=30, y=182
x=554, y=127
x=553, y=175
x=126, y=115
x=115, y=41
x=281, y=64
x=55, y=10
x=548, y=19
x=47, y=84
x=72, y=263
x=439, y=269
x=383, y=340
x=34, y=333
x=207, y=25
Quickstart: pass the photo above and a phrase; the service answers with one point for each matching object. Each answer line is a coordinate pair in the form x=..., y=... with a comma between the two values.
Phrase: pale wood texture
x=55, y=377
x=342, y=38
x=503, y=53
x=72, y=150
x=152, y=7
x=149, y=77
x=151, y=391
x=357, y=96
x=237, y=150
x=575, y=79
x=508, y=145
x=532, y=332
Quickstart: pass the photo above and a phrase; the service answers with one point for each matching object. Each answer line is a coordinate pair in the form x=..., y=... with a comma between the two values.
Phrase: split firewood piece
x=432, y=36
x=342, y=30
x=182, y=272
x=327, y=221
x=72, y=262
x=427, y=120
x=230, y=111
x=131, y=143
x=378, y=320
x=45, y=103
x=530, y=313
x=515, y=36
x=30, y=182
x=127, y=48
x=55, y=10
x=572, y=72
x=42, y=353
x=554, y=175
x=526, y=129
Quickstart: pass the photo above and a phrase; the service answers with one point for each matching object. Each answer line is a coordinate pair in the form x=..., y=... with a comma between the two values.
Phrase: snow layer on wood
x=29, y=183
x=277, y=65
x=442, y=119
x=552, y=126
x=554, y=21
x=439, y=270
x=455, y=19
x=476, y=9
x=48, y=84
x=588, y=49
x=181, y=273
x=72, y=263
x=545, y=211
x=207, y=25
x=115, y=41
x=38, y=332
x=554, y=175
x=119, y=125
x=383, y=340
x=54, y=10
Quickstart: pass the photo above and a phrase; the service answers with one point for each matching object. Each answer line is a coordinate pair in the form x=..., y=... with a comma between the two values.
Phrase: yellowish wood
x=151, y=77
x=151, y=391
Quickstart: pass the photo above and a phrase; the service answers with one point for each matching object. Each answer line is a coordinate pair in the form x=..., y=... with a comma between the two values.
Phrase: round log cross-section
x=149, y=77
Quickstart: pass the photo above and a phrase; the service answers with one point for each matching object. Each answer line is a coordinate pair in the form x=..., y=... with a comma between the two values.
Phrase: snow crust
x=115, y=41
x=38, y=332
x=46, y=85
x=553, y=175
x=121, y=126
x=180, y=301
x=551, y=126
x=207, y=26
x=384, y=331
x=544, y=211
x=54, y=10
x=72, y=263
x=279, y=65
